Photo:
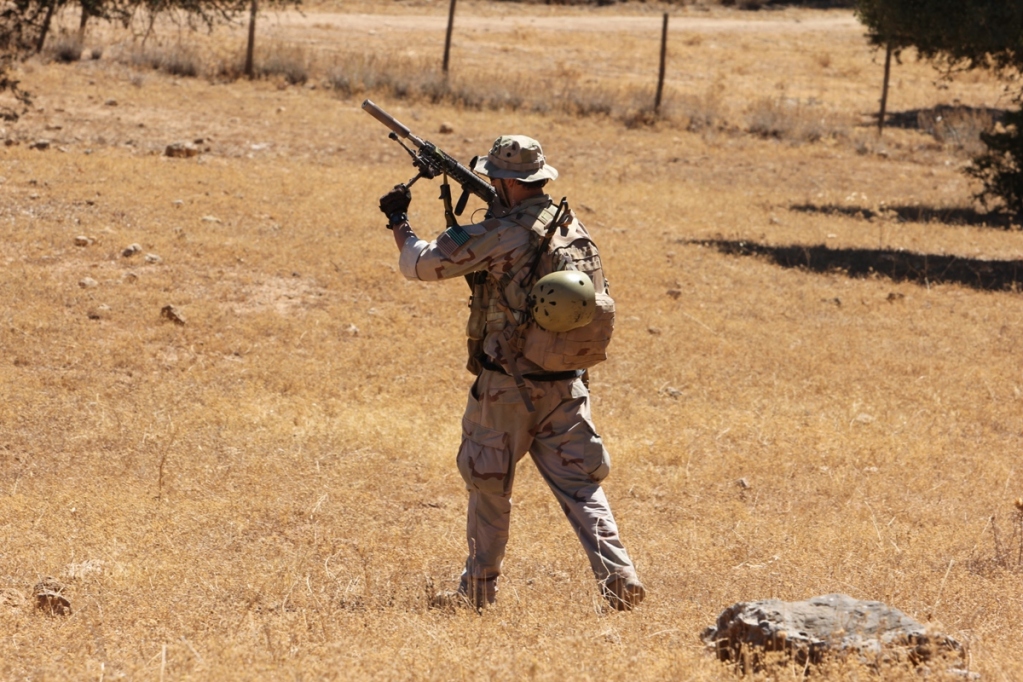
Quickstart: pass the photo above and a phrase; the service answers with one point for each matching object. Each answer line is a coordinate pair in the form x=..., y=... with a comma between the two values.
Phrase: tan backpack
x=565, y=244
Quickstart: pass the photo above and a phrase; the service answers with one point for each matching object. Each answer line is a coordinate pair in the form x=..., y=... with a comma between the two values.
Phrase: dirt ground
x=814, y=384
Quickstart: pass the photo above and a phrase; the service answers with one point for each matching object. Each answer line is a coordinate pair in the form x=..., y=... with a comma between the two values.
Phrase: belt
x=535, y=376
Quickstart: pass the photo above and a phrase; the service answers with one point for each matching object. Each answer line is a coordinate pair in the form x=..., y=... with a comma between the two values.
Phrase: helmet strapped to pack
x=516, y=157
x=562, y=301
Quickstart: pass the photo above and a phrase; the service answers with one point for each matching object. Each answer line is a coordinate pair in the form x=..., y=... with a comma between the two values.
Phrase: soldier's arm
x=490, y=245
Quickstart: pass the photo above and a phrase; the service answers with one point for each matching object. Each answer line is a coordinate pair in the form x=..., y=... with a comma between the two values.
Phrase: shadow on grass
x=900, y=266
x=915, y=214
x=914, y=119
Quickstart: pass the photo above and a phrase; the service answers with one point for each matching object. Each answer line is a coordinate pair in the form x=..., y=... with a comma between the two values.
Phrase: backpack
x=565, y=244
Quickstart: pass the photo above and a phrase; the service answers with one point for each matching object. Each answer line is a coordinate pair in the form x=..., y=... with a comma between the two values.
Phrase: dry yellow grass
x=268, y=490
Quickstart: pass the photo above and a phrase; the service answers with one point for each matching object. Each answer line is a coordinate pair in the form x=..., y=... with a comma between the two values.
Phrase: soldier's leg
x=495, y=435
x=572, y=459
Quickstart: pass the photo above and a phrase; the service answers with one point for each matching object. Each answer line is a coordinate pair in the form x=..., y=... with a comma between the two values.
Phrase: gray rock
x=40, y=145
x=181, y=150
x=131, y=250
x=88, y=283
x=173, y=314
x=50, y=598
x=830, y=625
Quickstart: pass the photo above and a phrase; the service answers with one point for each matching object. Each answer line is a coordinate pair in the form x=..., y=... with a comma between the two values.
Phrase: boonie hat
x=517, y=157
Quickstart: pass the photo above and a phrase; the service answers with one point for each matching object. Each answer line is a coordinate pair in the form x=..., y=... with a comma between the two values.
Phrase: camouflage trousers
x=497, y=432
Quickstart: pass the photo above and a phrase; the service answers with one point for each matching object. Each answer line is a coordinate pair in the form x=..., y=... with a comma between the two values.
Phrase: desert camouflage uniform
x=497, y=428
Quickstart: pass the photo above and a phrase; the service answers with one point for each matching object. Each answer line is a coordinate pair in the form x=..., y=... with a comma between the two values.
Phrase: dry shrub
x=787, y=119
x=290, y=62
x=176, y=60
x=698, y=113
x=65, y=48
x=958, y=127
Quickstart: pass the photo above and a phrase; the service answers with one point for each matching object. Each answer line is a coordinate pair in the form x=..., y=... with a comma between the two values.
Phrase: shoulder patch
x=451, y=240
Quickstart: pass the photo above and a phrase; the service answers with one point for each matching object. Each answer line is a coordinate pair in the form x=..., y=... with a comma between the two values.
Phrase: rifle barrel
x=391, y=122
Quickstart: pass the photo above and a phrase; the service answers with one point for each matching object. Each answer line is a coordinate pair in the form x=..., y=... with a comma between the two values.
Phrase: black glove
x=395, y=203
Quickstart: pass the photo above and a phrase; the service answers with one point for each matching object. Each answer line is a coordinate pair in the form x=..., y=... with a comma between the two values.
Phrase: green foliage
x=958, y=34
x=1000, y=168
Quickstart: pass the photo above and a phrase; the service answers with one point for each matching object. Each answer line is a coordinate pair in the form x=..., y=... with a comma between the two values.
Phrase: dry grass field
x=269, y=491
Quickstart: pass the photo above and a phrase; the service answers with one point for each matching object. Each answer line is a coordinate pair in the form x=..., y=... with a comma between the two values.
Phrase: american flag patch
x=451, y=240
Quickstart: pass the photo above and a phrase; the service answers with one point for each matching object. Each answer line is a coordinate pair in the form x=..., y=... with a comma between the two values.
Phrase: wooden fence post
x=884, y=89
x=447, y=38
x=660, y=75
x=250, y=48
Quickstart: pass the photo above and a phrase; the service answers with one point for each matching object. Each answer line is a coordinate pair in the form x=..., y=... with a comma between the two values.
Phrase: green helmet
x=563, y=300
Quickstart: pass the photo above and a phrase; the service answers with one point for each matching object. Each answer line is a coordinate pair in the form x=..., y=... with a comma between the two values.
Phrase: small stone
x=110, y=103
x=97, y=313
x=131, y=250
x=654, y=331
x=446, y=129
x=674, y=293
x=153, y=258
x=49, y=597
x=172, y=314
x=895, y=296
x=40, y=145
x=743, y=483
x=82, y=240
x=131, y=278
x=181, y=150
x=177, y=203
x=352, y=330
x=210, y=219
x=88, y=283
x=673, y=392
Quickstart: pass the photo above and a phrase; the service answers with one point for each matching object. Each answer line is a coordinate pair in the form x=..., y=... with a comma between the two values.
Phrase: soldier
x=514, y=406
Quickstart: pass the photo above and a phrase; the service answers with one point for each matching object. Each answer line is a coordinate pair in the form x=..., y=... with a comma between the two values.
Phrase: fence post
x=250, y=48
x=447, y=38
x=884, y=89
x=660, y=75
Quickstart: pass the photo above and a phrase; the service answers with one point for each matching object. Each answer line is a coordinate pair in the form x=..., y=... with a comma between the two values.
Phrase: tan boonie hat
x=517, y=157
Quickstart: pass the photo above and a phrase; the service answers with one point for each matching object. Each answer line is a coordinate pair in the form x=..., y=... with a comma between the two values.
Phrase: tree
x=958, y=35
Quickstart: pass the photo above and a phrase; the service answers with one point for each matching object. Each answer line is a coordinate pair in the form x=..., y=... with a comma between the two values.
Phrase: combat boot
x=623, y=593
x=471, y=593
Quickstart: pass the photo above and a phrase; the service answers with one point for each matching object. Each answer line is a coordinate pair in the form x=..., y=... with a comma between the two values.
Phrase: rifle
x=431, y=162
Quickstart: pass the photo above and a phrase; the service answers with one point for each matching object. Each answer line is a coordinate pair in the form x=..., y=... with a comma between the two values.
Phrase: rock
x=88, y=283
x=49, y=597
x=131, y=250
x=82, y=240
x=153, y=258
x=100, y=312
x=830, y=625
x=40, y=145
x=181, y=150
x=210, y=219
x=675, y=293
x=111, y=103
x=446, y=129
x=172, y=314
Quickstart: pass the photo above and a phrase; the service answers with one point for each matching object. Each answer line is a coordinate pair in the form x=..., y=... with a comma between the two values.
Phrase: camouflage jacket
x=503, y=247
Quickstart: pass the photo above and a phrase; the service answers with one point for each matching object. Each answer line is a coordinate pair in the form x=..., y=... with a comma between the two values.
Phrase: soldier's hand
x=395, y=203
